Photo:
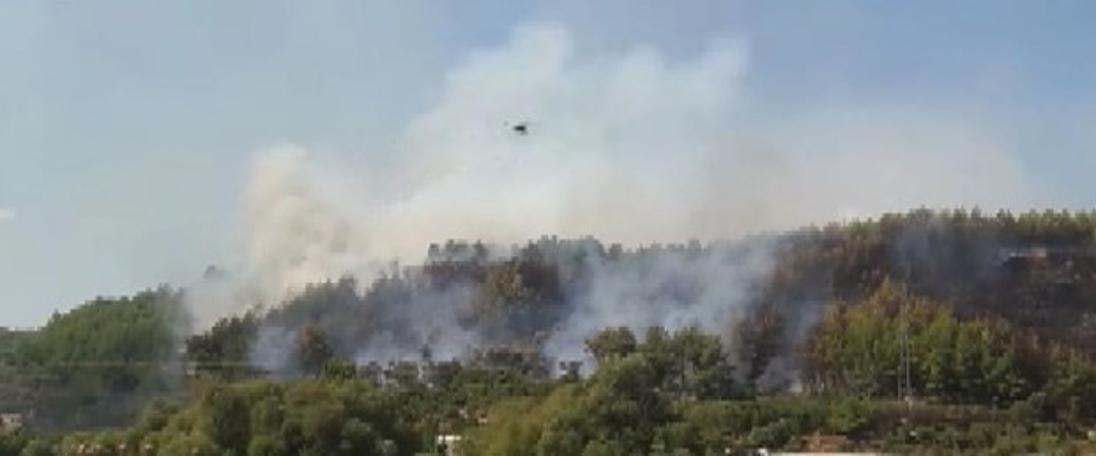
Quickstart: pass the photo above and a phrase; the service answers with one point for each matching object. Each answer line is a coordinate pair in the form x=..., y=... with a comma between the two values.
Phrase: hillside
x=611, y=350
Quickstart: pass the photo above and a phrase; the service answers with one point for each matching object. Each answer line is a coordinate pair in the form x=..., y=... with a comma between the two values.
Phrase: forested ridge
x=928, y=331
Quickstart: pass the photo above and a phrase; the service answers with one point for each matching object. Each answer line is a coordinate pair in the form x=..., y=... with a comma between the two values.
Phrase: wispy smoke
x=632, y=147
x=673, y=289
x=6, y=215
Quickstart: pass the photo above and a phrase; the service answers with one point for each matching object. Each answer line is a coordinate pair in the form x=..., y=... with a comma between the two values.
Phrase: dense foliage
x=94, y=365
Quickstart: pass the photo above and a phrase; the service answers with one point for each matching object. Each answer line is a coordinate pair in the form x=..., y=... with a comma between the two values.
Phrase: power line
x=55, y=364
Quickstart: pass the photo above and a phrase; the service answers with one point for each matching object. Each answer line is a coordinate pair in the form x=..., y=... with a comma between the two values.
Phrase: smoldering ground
x=547, y=298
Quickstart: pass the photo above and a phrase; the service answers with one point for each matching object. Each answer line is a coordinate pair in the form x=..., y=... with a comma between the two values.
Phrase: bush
x=848, y=416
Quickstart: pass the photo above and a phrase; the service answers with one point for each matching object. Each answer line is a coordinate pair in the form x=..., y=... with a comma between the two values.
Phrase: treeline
x=894, y=342
x=1036, y=269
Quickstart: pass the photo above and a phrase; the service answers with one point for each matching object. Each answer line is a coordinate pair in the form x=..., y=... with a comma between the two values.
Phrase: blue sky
x=127, y=128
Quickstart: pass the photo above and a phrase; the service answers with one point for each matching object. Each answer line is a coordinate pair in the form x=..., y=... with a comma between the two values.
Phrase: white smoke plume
x=632, y=147
x=294, y=235
x=6, y=215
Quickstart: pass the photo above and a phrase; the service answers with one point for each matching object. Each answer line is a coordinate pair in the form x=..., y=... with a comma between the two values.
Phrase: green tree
x=759, y=337
x=611, y=344
x=225, y=348
x=313, y=350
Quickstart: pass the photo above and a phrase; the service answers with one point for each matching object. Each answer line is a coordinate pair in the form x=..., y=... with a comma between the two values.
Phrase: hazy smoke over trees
x=633, y=148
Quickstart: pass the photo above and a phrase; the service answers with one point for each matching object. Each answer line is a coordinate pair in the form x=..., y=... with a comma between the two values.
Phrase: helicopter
x=519, y=128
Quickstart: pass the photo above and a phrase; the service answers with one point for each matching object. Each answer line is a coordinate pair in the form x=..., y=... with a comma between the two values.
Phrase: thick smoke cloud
x=631, y=147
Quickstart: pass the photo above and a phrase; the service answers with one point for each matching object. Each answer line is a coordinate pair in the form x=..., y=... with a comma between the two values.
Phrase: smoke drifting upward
x=297, y=235
x=294, y=235
x=632, y=147
x=615, y=148
x=616, y=145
